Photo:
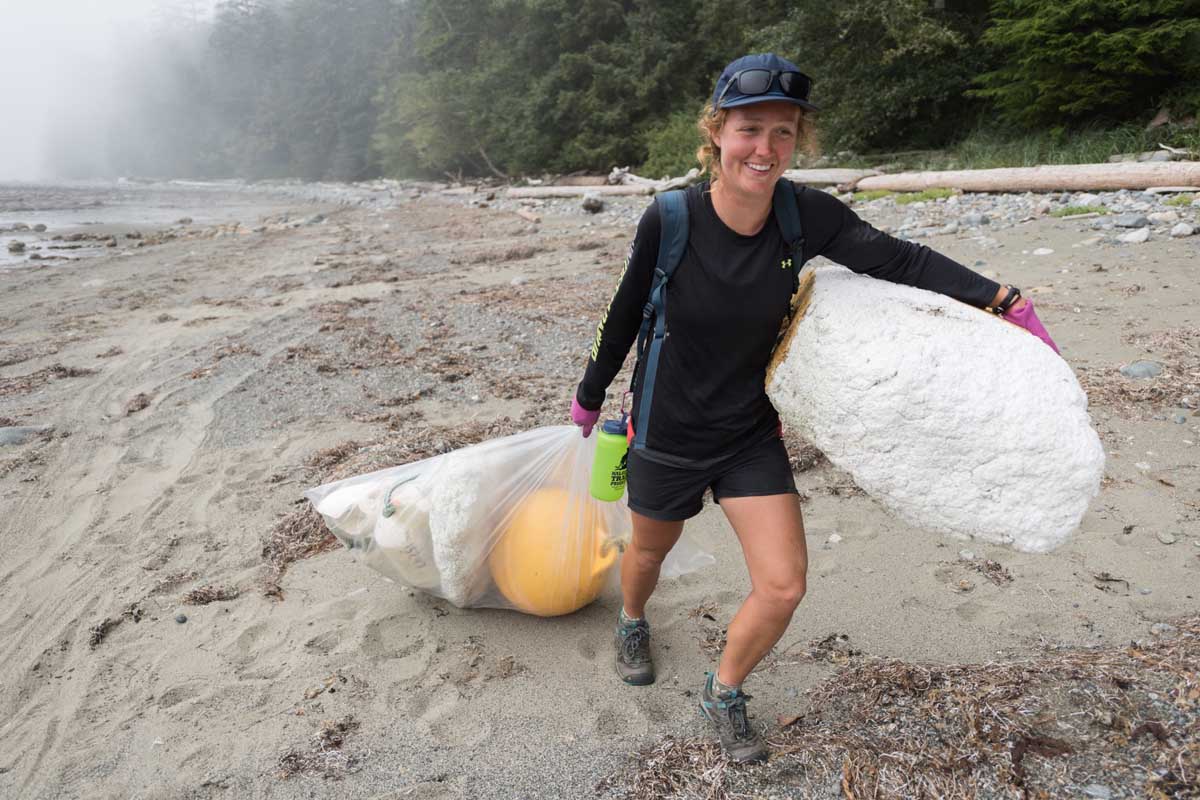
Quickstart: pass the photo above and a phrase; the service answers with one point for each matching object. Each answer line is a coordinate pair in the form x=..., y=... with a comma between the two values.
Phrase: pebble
x=1162, y=629
x=1179, y=419
x=833, y=539
x=966, y=555
x=1144, y=591
x=1166, y=537
x=1098, y=791
x=592, y=203
x=1130, y=221
x=1142, y=465
x=1135, y=237
x=1086, y=199
x=949, y=228
x=1142, y=369
x=1182, y=230
x=1163, y=217
x=1043, y=251
x=181, y=618
x=975, y=219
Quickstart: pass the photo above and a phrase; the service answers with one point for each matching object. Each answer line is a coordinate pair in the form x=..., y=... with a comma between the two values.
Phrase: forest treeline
x=353, y=89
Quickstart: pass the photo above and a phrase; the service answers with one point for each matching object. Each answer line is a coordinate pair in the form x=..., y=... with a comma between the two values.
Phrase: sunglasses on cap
x=749, y=82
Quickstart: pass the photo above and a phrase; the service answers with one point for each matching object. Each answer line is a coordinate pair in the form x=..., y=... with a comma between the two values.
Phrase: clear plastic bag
x=507, y=523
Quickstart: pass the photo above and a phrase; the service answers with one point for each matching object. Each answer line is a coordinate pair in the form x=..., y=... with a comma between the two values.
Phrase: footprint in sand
x=178, y=694
x=587, y=647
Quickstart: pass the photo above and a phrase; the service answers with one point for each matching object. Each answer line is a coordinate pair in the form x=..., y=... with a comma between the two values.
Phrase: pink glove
x=1028, y=319
x=583, y=418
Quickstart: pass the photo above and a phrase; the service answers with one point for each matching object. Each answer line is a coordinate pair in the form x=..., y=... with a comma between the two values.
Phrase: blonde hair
x=711, y=122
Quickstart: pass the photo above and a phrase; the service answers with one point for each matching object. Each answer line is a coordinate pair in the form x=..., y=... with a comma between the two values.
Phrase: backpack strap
x=787, y=215
x=673, y=239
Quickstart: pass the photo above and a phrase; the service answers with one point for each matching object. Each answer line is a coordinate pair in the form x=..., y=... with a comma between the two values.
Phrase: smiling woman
x=702, y=417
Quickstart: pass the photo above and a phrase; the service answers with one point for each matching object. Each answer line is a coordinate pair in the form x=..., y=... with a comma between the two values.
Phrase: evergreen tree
x=1071, y=61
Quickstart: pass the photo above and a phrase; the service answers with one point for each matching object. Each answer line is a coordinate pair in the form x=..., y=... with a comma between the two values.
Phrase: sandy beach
x=176, y=624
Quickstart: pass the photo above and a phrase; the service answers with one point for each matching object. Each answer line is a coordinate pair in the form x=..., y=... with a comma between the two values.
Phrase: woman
x=713, y=425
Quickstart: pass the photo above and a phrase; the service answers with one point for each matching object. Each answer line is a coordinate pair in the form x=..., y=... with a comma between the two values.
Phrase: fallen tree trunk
x=828, y=177
x=1058, y=178
x=576, y=191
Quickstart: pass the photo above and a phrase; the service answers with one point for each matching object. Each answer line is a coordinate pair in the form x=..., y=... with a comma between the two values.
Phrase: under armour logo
x=786, y=264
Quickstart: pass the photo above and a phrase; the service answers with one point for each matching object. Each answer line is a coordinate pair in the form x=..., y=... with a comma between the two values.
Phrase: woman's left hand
x=1022, y=314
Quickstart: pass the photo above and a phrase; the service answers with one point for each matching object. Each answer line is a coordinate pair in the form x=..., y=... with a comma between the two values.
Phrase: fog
x=66, y=68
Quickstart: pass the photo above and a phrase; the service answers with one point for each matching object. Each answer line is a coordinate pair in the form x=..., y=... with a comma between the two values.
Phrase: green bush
x=1071, y=61
x=671, y=147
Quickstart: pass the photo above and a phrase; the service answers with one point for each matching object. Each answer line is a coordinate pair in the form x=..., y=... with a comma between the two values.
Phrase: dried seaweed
x=138, y=402
x=23, y=384
x=1127, y=718
x=203, y=595
x=324, y=756
x=1177, y=350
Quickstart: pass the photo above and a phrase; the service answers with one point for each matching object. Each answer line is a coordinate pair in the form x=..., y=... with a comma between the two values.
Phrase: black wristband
x=1013, y=295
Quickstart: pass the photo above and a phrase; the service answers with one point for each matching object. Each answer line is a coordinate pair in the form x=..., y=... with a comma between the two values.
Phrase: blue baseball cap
x=762, y=78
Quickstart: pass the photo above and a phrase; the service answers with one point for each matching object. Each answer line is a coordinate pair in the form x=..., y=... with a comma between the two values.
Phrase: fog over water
x=65, y=68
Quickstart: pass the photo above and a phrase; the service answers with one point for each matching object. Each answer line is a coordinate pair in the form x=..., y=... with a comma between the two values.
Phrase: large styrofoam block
x=954, y=419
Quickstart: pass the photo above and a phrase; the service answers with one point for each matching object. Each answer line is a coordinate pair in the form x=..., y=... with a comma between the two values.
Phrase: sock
x=626, y=621
x=723, y=689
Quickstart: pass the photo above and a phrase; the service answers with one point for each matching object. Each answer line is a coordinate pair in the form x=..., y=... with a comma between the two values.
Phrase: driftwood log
x=1058, y=178
x=576, y=191
x=828, y=177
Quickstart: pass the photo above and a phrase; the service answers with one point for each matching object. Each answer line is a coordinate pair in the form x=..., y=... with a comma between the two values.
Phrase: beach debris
x=1107, y=582
x=138, y=402
x=832, y=539
x=705, y=610
x=23, y=384
x=1162, y=629
x=16, y=246
x=110, y=352
x=528, y=216
x=325, y=755
x=330, y=685
x=1098, y=791
x=994, y=571
x=788, y=720
x=98, y=632
x=1026, y=728
x=299, y=535
x=966, y=555
x=964, y=586
x=209, y=593
x=1166, y=537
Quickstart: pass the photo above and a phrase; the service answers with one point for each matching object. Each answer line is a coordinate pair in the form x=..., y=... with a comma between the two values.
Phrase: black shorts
x=670, y=493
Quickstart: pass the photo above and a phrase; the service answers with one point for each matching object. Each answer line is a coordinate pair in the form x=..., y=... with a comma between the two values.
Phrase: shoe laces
x=635, y=644
x=737, y=715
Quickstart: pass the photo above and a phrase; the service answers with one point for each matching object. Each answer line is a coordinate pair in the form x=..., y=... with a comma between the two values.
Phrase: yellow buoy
x=553, y=555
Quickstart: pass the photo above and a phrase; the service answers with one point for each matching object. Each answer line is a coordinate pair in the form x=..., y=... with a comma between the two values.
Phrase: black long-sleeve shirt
x=724, y=307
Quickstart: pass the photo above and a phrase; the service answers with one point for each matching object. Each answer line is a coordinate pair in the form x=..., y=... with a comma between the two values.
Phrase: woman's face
x=757, y=143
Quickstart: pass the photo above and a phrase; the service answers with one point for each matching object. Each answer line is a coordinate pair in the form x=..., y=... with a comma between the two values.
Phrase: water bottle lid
x=614, y=426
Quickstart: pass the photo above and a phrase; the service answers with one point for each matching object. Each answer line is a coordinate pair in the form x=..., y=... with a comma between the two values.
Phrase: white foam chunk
x=955, y=420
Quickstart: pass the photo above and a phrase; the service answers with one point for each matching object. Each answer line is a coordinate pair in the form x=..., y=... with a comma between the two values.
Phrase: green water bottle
x=608, y=468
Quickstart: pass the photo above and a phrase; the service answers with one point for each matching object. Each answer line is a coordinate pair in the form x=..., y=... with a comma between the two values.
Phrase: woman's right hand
x=583, y=418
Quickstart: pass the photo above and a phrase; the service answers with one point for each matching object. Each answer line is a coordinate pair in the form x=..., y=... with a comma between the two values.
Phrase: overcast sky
x=58, y=67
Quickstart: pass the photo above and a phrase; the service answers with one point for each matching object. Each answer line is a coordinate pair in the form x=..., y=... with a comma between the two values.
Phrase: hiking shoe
x=727, y=713
x=634, y=664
